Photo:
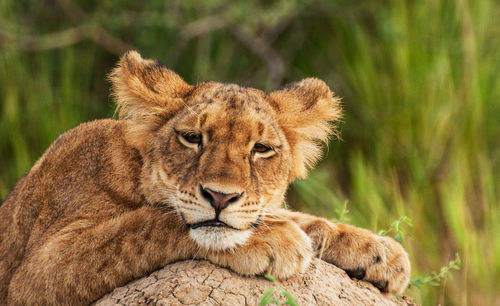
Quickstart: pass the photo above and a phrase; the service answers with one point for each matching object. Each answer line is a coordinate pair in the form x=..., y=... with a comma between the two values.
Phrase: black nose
x=219, y=200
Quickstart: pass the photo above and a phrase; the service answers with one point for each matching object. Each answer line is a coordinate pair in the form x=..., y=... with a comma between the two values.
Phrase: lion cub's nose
x=219, y=200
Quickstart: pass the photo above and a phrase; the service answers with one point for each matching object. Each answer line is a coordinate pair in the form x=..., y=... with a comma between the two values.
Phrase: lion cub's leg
x=276, y=247
x=362, y=254
x=83, y=261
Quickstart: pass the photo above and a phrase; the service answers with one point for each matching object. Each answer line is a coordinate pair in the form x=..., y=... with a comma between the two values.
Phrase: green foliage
x=342, y=213
x=270, y=278
x=420, y=88
x=268, y=298
x=397, y=227
x=436, y=278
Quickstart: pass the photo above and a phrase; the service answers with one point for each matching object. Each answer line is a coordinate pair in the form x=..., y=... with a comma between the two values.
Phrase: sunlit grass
x=41, y=97
x=420, y=100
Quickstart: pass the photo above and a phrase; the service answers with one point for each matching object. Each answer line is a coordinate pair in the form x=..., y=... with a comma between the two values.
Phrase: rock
x=194, y=282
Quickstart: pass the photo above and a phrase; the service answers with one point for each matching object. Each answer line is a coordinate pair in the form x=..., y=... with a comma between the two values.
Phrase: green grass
x=420, y=88
x=269, y=297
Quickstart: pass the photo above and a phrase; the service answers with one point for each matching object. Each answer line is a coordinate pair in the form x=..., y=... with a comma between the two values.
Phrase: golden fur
x=187, y=172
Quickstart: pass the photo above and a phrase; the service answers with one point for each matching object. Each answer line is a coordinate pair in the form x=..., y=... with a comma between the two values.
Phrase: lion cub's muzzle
x=218, y=201
x=227, y=226
x=212, y=223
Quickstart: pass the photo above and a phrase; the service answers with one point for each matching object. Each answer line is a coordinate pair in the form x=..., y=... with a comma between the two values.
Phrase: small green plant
x=397, y=226
x=436, y=278
x=268, y=298
x=342, y=213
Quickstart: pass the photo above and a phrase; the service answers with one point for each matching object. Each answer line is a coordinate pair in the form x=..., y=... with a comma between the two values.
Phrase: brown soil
x=202, y=283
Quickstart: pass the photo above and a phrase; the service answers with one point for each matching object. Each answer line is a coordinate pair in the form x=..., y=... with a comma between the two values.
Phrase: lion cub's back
x=76, y=172
x=79, y=164
x=53, y=161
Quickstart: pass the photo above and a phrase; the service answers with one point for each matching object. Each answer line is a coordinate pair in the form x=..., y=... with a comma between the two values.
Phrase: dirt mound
x=202, y=283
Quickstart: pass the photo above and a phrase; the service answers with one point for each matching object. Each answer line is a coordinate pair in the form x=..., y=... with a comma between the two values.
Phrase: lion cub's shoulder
x=87, y=158
x=92, y=131
x=85, y=139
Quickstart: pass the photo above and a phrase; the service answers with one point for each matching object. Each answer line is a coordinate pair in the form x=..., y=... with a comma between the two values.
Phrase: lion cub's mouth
x=211, y=223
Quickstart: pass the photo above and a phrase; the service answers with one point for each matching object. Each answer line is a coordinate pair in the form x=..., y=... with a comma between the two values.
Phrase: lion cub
x=187, y=172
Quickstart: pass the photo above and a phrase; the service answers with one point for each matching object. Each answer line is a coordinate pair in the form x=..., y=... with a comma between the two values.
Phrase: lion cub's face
x=221, y=155
x=222, y=162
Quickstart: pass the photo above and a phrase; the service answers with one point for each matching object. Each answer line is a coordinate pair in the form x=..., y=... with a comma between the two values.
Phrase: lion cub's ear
x=146, y=92
x=306, y=112
x=143, y=87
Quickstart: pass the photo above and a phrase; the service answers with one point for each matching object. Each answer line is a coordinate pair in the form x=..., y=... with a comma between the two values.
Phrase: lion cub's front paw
x=392, y=272
x=379, y=260
x=279, y=248
x=384, y=263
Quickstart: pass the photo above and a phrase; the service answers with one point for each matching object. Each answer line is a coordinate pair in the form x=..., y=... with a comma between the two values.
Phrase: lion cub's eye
x=192, y=137
x=260, y=148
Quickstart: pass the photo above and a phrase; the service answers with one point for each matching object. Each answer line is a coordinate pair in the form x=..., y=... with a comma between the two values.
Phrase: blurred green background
x=420, y=86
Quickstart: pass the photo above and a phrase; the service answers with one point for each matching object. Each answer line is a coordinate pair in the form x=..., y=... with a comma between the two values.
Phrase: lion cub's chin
x=218, y=239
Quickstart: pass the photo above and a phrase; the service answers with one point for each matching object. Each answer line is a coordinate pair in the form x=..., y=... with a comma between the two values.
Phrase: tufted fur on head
x=148, y=93
x=305, y=111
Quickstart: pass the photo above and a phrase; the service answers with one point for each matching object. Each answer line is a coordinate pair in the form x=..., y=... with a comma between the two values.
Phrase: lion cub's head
x=221, y=154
